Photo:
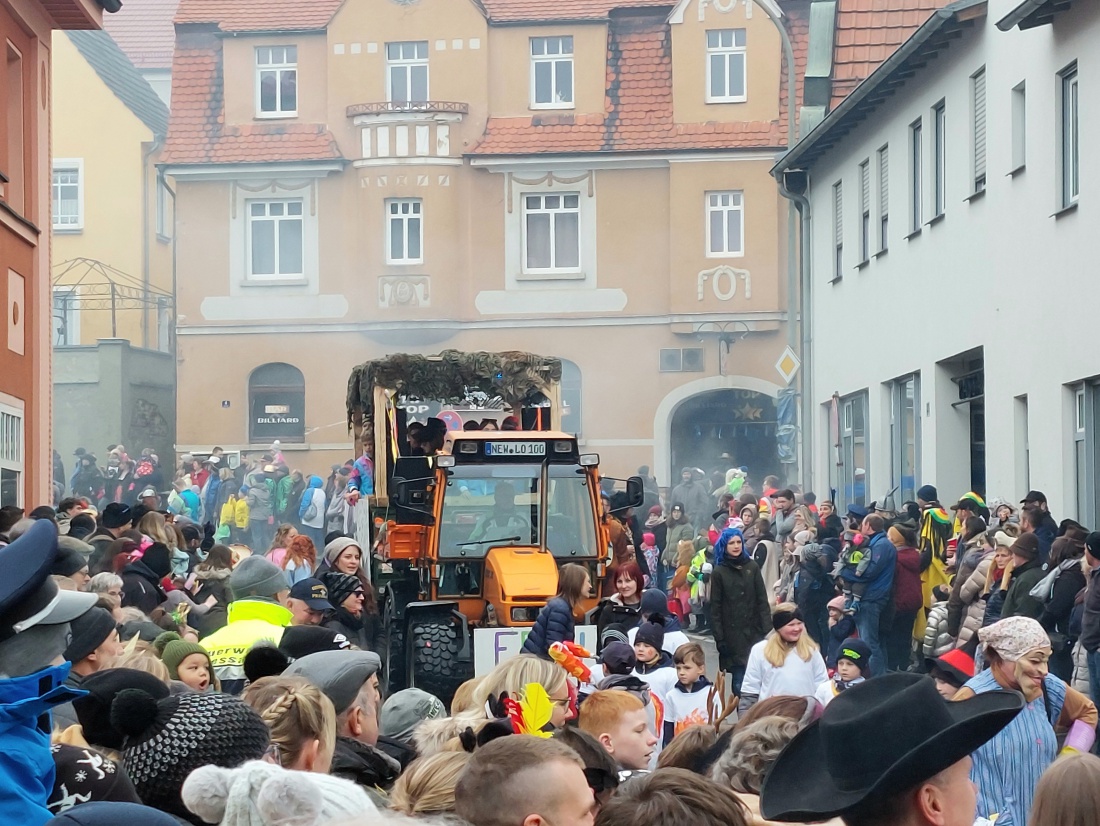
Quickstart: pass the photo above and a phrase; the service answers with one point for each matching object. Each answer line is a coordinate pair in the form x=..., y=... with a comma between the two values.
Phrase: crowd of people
x=915, y=666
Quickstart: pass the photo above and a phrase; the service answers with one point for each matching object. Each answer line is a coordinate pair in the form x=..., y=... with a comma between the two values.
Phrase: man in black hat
x=887, y=752
x=1035, y=517
x=34, y=633
x=308, y=602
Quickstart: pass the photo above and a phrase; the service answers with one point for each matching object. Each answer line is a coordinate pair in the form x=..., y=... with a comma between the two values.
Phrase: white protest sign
x=493, y=646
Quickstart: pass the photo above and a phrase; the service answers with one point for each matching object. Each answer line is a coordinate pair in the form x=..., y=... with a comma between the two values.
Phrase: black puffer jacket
x=364, y=765
x=141, y=587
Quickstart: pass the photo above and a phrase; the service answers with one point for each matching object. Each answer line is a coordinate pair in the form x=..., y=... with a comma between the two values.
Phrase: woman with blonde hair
x=302, y=721
x=153, y=526
x=283, y=534
x=1068, y=793
x=514, y=675
x=427, y=786
x=787, y=661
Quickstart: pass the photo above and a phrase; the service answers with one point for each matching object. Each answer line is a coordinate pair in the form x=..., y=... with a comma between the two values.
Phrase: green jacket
x=1018, y=601
x=282, y=495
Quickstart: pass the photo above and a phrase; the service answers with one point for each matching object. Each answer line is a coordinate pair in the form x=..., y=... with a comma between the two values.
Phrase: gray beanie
x=406, y=710
x=255, y=576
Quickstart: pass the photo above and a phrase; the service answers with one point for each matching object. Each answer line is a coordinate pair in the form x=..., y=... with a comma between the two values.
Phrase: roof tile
x=259, y=15
x=143, y=29
x=867, y=32
x=638, y=111
x=513, y=11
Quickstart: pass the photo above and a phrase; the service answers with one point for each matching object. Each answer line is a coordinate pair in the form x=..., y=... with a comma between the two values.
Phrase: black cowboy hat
x=878, y=739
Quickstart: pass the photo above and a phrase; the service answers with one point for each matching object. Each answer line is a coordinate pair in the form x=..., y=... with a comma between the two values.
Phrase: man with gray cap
x=350, y=680
x=34, y=632
x=404, y=711
x=258, y=612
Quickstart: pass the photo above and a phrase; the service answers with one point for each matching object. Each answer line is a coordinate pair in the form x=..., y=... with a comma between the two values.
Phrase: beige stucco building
x=587, y=179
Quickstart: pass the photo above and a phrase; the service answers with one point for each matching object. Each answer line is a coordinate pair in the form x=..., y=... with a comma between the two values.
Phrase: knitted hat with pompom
x=168, y=739
x=260, y=793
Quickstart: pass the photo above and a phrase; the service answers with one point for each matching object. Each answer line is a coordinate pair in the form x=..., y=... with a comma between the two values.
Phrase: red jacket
x=908, y=596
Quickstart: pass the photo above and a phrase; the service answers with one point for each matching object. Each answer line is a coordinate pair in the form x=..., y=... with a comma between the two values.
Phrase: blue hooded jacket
x=315, y=483
x=723, y=540
x=213, y=488
x=26, y=762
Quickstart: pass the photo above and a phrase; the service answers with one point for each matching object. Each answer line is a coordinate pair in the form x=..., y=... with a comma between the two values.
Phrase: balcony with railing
x=406, y=132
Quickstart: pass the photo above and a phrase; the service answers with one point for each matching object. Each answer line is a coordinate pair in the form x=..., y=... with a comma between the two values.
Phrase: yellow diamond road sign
x=788, y=365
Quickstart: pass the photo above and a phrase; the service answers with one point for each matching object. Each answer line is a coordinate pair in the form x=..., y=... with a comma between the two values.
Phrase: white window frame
x=266, y=63
x=72, y=328
x=715, y=203
x=846, y=472
x=939, y=159
x=553, y=212
x=865, y=211
x=978, y=129
x=884, y=198
x=541, y=55
x=899, y=437
x=68, y=165
x=1069, y=132
x=407, y=65
x=727, y=52
x=13, y=437
x=838, y=230
x=916, y=176
x=1086, y=457
x=404, y=219
x=250, y=220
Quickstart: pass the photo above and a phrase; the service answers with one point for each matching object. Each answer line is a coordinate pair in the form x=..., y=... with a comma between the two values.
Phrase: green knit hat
x=174, y=650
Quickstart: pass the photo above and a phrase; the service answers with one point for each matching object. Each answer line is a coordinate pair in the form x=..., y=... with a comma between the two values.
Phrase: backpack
x=311, y=510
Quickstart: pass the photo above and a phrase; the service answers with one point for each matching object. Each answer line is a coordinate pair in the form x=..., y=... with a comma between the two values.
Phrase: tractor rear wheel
x=394, y=675
x=433, y=648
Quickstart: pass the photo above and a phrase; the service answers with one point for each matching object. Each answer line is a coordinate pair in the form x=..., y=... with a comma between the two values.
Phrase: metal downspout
x=805, y=314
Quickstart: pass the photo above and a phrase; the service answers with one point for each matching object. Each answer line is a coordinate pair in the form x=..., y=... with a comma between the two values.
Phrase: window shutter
x=838, y=213
x=979, y=125
x=884, y=181
x=865, y=186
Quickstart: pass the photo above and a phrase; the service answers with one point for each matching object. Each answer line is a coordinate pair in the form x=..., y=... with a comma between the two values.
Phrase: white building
x=953, y=281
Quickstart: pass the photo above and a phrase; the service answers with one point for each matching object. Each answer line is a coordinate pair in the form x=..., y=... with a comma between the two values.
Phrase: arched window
x=276, y=404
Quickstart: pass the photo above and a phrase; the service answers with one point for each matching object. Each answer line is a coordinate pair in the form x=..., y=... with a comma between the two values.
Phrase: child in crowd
x=853, y=666
x=242, y=515
x=691, y=702
x=951, y=671
x=698, y=579
x=655, y=603
x=187, y=662
x=841, y=627
x=855, y=556
x=652, y=556
x=617, y=719
x=655, y=668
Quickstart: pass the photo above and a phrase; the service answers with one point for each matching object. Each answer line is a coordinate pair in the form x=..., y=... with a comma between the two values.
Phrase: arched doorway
x=737, y=423
x=276, y=404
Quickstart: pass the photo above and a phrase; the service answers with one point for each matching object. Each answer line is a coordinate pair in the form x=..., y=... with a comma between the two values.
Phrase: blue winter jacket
x=315, y=483
x=26, y=762
x=879, y=575
x=211, y=507
x=554, y=624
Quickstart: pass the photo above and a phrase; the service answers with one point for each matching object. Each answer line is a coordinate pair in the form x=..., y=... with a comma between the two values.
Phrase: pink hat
x=837, y=603
x=649, y=538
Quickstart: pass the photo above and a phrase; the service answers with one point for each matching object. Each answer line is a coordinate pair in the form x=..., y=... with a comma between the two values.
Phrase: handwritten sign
x=493, y=646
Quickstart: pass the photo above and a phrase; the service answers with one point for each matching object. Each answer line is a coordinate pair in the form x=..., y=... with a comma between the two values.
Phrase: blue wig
x=723, y=541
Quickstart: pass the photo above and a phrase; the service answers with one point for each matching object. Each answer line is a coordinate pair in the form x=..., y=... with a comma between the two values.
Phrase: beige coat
x=971, y=596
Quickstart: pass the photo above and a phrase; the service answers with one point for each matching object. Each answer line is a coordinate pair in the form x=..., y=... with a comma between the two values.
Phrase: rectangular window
x=939, y=151
x=66, y=317
x=405, y=235
x=977, y=105
x=11, y=456
x=853, y=451
x=407, y=72
x=1086, y=408
x=275, y=239
x=68, y=195
x=552, y=72
x=916, y=176
x=884, y=199
x=726, y=66
x=725, y=224
x=865, y=211
x=905, y=436
x=551, y=232
x=276, y=81
x=1019, y=127
x=838, y=230
x=1070, y=151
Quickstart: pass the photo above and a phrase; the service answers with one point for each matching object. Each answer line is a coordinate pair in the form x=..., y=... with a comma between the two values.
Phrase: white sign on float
x=493, y=646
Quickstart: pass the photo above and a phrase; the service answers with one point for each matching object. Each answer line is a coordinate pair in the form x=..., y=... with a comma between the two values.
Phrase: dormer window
x=276, y=81
x=552, y=72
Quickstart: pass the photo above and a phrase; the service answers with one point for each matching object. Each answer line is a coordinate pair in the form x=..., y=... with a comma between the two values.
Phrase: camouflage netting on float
x=452, y=376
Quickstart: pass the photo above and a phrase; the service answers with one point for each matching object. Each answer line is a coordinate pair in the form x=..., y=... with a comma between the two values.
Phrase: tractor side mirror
x=635, y=491
x=406, y=495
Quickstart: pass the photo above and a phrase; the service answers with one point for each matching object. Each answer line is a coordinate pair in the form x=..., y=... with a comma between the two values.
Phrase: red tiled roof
x=511, y=11
x=197, y=132
x=868, y=32
x=638, y=112
x=143, y=29
x=259, y=15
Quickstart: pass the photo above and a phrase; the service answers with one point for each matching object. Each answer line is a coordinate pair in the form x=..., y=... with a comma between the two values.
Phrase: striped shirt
x=1007, y=768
